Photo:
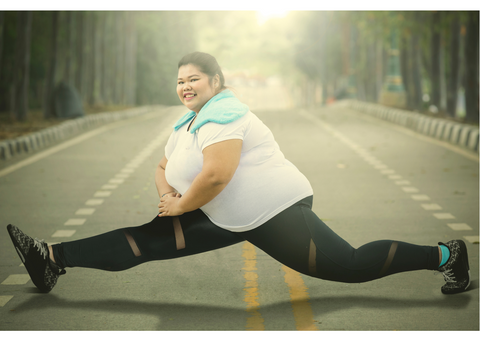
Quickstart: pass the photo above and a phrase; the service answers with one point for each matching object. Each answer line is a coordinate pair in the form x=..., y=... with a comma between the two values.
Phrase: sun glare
x=265, y=14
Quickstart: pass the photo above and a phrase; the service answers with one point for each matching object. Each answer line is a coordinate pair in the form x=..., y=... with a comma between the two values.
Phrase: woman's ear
x=216, y=81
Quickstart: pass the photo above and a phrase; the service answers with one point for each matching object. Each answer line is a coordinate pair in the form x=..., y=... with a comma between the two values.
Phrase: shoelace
x=39, y=244
x=448, y=275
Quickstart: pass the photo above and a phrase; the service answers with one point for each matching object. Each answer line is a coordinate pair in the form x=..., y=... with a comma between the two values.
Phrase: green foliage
x=162, y=39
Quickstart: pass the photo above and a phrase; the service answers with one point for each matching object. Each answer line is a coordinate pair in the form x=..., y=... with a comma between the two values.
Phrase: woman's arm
x=161, y=182
x=220, y=161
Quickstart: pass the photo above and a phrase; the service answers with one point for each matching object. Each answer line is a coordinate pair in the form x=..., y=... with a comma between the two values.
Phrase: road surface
x=372, y=180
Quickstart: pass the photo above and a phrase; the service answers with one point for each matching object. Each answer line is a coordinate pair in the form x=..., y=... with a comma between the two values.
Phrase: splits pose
x=224, y=180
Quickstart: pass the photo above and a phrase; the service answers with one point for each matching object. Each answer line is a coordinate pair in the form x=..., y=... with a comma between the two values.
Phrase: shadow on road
x=212, y=317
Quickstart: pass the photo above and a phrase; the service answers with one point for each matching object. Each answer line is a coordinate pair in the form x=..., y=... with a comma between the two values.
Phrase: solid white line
x=74, y=141
x=466, y=153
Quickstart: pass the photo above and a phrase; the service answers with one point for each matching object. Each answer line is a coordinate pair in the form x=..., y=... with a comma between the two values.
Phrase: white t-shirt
x=264, y=184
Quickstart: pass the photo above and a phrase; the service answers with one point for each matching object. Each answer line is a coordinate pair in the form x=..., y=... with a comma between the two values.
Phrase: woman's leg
x=299, y=239
x=127, y=247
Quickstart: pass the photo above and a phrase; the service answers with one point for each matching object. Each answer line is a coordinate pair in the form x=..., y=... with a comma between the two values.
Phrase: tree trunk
x=405, y=68
x=22, y=66
x=130, y=52
x=120, y=60
x=2, y=21
x=471, y=63
x=93, y=61
x=79, y=53
x=102, y=57
x=69, y=47
x=48, y=109
x=415, y=75
x=452, y=83
x=435, y=60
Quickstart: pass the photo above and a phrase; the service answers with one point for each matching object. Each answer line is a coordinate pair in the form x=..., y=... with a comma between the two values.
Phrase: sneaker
x=456, y=271
x=35, y=256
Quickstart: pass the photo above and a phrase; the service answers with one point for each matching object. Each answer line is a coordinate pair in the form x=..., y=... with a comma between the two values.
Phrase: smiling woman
x=224, y=180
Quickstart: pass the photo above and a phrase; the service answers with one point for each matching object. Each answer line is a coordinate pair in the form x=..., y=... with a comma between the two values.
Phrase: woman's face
x=193, y=87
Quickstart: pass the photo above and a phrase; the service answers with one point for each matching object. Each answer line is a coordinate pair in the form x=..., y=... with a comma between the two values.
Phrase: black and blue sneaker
x=35, y=256
x=456, y=271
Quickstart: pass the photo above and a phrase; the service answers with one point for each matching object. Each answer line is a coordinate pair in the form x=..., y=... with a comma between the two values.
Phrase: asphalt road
x=372, y=180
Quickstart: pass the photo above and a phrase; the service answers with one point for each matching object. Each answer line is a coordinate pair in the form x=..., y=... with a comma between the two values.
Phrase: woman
x=224, y=180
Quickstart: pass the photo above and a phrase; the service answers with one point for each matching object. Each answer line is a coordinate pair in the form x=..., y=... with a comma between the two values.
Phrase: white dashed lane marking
x=472, y=239
x=420, y=197
x=75, y=222
x=443, y=216
x=85, y=211
x=112, y=184
x=459, y=227
x=402, y=182
x=94, y=202
x=63, y=233
x=410, y=190
x=431, y=207
x=102, y=194
x=16, y=280
x=4, y=300
x=379, y=165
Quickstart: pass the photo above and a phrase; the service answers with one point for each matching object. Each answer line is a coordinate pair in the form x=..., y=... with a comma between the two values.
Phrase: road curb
x=463, y=135
x=38, y=140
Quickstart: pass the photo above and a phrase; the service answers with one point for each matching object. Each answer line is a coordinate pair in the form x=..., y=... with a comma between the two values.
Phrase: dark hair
x=206, y=63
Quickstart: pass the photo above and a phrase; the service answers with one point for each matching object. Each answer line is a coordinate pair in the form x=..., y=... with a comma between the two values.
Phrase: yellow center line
x=255, y=320
x=302, y=311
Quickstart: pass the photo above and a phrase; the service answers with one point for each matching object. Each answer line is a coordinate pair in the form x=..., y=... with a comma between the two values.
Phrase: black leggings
x=295, y=237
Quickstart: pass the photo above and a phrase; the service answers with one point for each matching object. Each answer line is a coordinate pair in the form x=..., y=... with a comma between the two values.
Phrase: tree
x=22, y=66
x=2, y=21
x=471, y=68
x=435, y=69
x=454, y=65
x=79, y=51
x=48, y=110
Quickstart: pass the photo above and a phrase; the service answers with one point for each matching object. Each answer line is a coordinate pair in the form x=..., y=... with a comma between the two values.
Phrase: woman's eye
x=180, y=83
x=194, y=80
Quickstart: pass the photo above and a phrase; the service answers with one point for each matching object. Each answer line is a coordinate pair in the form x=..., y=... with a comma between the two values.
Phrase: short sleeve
x=211, y=133
x=170, y=146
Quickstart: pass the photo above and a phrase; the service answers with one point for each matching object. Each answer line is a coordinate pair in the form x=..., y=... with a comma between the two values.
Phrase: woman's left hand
x=169, y=206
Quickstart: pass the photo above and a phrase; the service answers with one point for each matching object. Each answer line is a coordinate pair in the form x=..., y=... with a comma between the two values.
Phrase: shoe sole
x=464, y=251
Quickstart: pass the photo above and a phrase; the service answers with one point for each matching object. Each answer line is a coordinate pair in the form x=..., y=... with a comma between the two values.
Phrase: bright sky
x=265, y=14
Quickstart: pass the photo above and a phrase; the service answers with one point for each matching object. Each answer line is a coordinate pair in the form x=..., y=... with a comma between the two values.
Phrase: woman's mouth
x=188, y=97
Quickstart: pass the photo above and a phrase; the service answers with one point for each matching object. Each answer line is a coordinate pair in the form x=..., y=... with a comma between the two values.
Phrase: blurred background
x=61, y=64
